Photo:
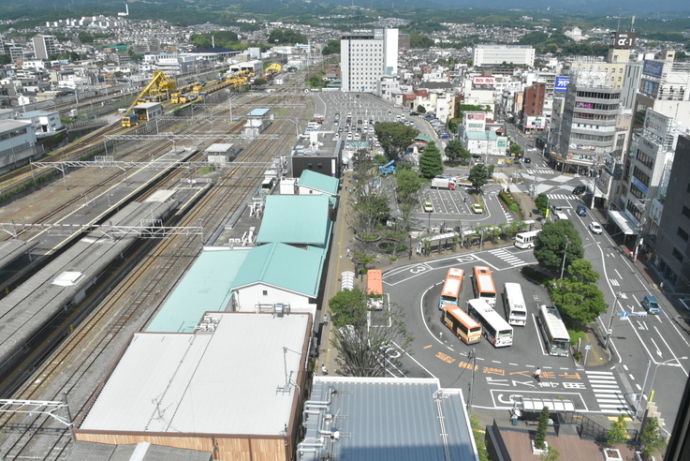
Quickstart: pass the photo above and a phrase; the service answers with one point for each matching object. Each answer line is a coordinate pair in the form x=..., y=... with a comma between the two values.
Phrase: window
x=682, y=234
x=686, y=212
x=265, y=292
x=677, y=254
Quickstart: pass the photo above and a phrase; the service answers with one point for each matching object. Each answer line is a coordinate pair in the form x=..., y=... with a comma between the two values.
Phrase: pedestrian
x=440, y=335
x=325, y=319
x=537, y=374
x=324, y=370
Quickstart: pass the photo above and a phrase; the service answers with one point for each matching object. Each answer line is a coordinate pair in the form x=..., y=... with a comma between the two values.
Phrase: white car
x=595, y=227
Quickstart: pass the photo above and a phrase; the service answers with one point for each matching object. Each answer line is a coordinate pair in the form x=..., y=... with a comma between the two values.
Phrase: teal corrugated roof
x=320, y=182
x=283, y=266
x=481, y=135
x=424, y=138
x=296, y=219
x=206, y=286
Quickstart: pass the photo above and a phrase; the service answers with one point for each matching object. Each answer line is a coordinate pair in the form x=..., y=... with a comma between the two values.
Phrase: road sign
x=588, y=347
x=624, y=315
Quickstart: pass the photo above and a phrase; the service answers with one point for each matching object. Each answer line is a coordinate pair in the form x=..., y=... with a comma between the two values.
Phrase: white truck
x=443, y=183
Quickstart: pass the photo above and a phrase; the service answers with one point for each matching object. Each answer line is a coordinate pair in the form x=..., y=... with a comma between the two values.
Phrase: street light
x=565, y=253
x=651, y=383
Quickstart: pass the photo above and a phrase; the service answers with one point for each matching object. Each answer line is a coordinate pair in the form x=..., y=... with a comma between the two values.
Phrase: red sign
x=484, y=80
x=475, y=115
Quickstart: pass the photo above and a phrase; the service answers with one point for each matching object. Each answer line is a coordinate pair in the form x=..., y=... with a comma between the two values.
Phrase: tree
x=394, y=138
x=455, y=151
x=582, y=271
x=366, y=351
x=420, y=41
x=421, y=109
x=479, y=175
x=286, y=37
x=332, y=47
x=551, y=455
x=408, y=184
x=618, y=433
x=581, y=303
x=226, y=39
x=316, y=81
x=430, y=163
x=540, y=436
x=555, y=239
x=542, y=203
x=515, y=150
x=260, y=81
x=651, y=437
x=348, y=307
x=371, y=208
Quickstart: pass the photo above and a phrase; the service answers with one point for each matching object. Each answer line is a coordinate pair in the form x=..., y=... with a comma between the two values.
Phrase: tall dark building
x=672, y=248
x=533, y=105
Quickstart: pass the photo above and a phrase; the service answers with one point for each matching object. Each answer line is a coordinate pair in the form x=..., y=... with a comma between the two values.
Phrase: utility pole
x=610, y=324
x=472, y=356
x=565, y=252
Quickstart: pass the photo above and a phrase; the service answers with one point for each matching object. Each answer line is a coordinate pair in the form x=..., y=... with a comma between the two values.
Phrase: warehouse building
x=17, y=144
x=404, y=419
x=231, y=387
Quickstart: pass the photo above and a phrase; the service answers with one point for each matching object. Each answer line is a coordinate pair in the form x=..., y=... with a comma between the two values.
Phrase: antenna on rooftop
x=632, y=25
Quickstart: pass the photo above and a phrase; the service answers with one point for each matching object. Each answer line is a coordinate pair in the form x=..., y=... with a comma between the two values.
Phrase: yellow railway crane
x=159, y=85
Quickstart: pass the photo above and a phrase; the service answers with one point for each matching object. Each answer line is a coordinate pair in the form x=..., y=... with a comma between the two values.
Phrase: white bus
x=526, y=239
x=495, y=329
x=553, y=329
x=514, y=304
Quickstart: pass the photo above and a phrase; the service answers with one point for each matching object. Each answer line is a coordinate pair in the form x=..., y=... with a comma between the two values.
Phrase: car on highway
x=579, y=190
x=581, y=210
x=477, y=208
x=650, y=304
x=596, y=228
x=428, y=207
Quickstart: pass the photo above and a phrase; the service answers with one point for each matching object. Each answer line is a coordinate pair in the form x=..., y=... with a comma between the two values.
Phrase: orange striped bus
x=484, y=287
x=461, y=324
x=452, y=286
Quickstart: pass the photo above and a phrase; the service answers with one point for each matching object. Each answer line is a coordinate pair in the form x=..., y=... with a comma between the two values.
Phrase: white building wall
x=249, y=298
x=498, y=54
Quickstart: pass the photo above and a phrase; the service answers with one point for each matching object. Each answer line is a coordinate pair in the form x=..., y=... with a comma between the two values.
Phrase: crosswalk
x=607, y=392
x=534, y=171
x=561, y=196
x=507, y=257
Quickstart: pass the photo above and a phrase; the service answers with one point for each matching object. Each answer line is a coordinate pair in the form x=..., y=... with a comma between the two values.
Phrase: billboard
x=535, y=123
x=623, y=40
x=653, y=68
x=561, y=84
x=475, y=115
x=484, y=81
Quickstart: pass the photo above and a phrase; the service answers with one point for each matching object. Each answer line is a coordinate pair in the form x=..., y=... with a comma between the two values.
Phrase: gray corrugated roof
x=386, y=419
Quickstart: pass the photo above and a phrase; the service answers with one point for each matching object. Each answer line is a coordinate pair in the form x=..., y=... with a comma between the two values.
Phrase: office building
x=665, y=87
x=44, y=46
x=533, y=107
x=365, y=57
x=487, y=55
x=672, y=247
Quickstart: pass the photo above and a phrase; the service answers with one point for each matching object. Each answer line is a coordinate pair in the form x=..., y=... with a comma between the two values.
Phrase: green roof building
x=296, y=220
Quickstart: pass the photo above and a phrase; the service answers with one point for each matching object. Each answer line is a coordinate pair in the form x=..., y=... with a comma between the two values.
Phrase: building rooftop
x=284, y=266
x=206, y=286
x=258, y=112
x=219, y=147
x=231, y=381
x=321, y=182
x=295, y=219
x=387, y=419
x=11, y=125
x=147, y=105
x=481, y=135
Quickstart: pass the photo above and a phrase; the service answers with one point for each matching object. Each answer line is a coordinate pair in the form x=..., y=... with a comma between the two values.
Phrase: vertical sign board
x=623, y=40
x=561, y=84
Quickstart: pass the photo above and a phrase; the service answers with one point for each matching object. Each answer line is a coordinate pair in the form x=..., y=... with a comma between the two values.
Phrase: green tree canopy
x=552, y=241
x=348, y=307
x=222, y=38
x=394, y=138
x=651, y=437
x=618, y=433
x=286, y=37
x=421, y=109
x=418, y=40
x=430, y=163
x=542, y=426
x=581, y=270
x=479, y=175
x=455, y=151
x=332, y=47
x=542, y=203
x=408, y=184
x=581, y=303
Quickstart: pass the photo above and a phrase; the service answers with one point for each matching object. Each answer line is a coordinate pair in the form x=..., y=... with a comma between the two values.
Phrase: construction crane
x=273, y=68
x=158, y=85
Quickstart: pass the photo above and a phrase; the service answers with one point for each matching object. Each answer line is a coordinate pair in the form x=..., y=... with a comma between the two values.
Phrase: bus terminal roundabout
x=501, y=375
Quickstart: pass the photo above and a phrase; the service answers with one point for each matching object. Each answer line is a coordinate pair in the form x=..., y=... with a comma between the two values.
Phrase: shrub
x=511, y=203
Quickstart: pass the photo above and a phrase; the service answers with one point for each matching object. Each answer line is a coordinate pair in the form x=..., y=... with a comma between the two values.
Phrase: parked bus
x=495, y=329
x=462, y=325
x=374, y=289
x=514, y=304
x=553, y=329
x=450, y=294
x=484, y=284
x=526, y=239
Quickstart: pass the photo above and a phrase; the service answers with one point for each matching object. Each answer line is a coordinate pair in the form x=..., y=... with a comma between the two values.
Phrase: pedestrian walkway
x=507, y=256
x=561, y=196
x=536, y=171
x=607, y=393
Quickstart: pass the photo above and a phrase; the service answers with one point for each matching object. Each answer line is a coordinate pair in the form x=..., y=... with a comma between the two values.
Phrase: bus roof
x=514, y=295
x=490, y=315
x=528, y=233
x=374, y=282
x=483, y=279
x=451, y=287
x=554, y=322
x=461, y=316
x=456, y=272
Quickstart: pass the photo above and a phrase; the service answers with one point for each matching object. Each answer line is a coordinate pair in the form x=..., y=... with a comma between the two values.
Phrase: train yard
x=78, y=346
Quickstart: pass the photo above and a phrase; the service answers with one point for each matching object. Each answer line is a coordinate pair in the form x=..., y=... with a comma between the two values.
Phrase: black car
x=579, y=190
x=527, y=160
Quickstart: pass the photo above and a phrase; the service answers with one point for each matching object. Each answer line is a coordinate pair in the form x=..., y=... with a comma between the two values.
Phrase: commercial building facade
x=498, y=54
x=366, y=56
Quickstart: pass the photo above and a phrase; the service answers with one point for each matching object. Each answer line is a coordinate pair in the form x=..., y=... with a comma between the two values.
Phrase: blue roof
x=258, y=112
x=389, y=419
x=206, y=286
x=320, y=182
x=283, y=266
x=296, y=219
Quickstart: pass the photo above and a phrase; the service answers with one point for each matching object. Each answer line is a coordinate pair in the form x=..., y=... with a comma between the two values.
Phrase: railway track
x=128, y=307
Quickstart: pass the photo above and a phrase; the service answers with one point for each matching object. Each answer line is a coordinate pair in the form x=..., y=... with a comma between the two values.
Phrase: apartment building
x=365, y=57
x=44, y=46
x=665, y=88
x=498, y=54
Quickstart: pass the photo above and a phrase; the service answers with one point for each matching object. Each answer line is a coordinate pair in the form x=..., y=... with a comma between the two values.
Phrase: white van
x=557, y=215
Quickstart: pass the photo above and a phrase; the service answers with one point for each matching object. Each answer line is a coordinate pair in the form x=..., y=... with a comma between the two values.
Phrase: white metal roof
x=219, y=147
x=226, y=382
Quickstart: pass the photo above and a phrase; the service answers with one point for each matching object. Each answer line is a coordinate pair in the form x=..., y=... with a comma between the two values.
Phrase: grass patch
x=479, y=437
x=509, y=199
